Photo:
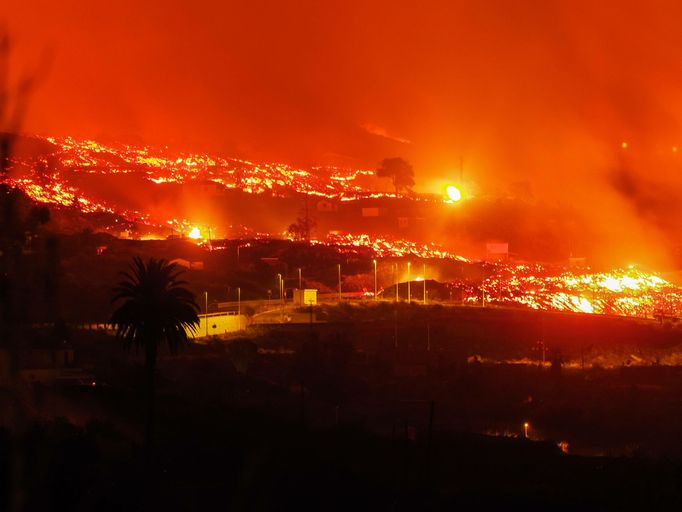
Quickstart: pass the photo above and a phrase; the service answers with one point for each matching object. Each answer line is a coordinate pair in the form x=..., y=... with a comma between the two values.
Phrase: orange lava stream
x=159, y=165
x=384, y=248
x=44, y=177
x=626, y=292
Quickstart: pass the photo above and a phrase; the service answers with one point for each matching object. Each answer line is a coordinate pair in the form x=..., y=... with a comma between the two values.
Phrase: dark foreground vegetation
x=334, y=416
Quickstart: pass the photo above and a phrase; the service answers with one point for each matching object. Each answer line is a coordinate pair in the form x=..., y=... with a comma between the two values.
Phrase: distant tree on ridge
x=400, y=172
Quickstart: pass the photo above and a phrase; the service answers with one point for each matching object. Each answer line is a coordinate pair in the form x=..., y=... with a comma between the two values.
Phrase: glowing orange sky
x=536, y=91
x=521, y=90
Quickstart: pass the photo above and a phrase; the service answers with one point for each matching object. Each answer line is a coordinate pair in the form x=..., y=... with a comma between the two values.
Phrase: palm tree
x=155, y=308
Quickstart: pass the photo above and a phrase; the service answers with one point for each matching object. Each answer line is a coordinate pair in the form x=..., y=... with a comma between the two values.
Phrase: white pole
x=375, y=279
x=409, y=264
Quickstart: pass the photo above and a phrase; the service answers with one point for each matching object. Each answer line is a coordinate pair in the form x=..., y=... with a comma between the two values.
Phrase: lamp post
x=206, y=310
x=280, y=286
x=375, y=279
x=409, y=265
x=339, y=269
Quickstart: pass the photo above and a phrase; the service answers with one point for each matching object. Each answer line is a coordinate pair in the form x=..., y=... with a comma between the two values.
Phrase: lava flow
x=626, y=292
x=49, y=178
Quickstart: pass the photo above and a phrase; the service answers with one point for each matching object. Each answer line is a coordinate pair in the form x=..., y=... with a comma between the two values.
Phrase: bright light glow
x=454, y=194
x=195, y=233
x=624, y=145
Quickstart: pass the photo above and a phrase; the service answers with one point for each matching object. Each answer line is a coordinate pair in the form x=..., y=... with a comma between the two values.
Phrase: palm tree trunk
x=150, y=370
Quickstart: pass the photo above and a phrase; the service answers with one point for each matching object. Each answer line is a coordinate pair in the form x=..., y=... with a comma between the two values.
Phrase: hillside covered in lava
x=144, y=192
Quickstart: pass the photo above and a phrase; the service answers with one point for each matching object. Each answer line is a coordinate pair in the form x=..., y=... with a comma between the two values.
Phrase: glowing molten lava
x=52, y=177
x=626, y=292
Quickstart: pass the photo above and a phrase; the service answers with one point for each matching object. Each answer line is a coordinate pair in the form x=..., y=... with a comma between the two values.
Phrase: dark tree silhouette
x=155, y=308
x=301, y=229
x=400, y=172
x=304, y=224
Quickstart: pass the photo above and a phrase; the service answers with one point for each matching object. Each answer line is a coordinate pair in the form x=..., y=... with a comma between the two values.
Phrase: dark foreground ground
x=338, y=417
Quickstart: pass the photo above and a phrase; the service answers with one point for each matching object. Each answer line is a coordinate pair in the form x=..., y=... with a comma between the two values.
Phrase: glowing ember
x=195, y=234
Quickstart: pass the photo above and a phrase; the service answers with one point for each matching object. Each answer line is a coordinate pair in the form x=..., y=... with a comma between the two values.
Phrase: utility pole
x=307, y=221
x=280, y=287
x=395, y=280
x=299, y=279
x=239, y=307
x=424, y=283
x=339, y=268
x=375, y=279
x=409, y=296
x=428, y=336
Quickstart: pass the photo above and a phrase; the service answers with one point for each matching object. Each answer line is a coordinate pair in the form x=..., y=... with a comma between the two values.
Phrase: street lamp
x=339, y=269
x=375, y=279
x=409, y=264
x=526, y=425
